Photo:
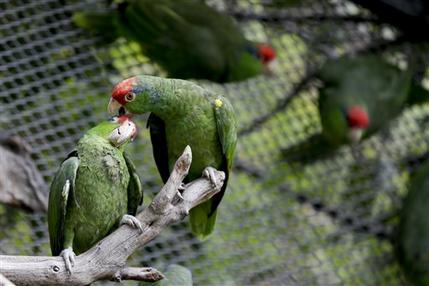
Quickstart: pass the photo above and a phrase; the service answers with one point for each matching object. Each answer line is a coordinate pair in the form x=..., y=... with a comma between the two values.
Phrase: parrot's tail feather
x=202, y=220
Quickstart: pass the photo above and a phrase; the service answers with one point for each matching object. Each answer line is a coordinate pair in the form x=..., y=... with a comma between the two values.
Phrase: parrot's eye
x=113, y=119
x=130, y=96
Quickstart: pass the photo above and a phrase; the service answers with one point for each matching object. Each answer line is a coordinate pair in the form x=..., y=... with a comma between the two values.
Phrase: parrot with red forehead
x=183, y=113
x=186, y=38
x=95, y=188
x=358, y=97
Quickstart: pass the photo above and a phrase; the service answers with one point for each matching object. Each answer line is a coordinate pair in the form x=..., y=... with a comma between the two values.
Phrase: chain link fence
x=279, y=224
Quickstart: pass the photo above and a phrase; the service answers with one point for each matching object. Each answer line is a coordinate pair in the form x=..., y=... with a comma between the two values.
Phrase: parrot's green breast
x=102, y=178
x=197, y=129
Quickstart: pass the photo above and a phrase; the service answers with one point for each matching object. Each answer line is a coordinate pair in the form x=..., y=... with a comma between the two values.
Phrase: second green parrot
x=95, y=189
x=187, y=38
x=183, y=113
x=359, y=96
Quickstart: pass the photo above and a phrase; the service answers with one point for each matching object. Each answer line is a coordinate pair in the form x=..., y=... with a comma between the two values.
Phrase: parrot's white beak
x=355, y=134
x=113, y=106
x=126, y=131
x=272, y=68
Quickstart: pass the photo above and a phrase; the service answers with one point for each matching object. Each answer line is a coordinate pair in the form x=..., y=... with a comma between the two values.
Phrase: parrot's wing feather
x=203, y=216
x=135, y=190
x=102, y=24
x=227, y=132
x=159, y=145
x=62, y=189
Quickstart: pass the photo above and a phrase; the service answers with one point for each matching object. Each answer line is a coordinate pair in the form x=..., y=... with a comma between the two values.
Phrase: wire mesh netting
x=279, y=223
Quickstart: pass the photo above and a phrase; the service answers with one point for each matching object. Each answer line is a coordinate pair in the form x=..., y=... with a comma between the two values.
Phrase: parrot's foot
x=132, y=221
x=69, y=258
x=209, y=173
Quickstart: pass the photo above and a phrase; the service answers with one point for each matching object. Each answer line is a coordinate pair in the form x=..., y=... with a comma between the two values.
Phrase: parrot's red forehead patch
x=357, y=117
x=266, y=52
x=123, y=88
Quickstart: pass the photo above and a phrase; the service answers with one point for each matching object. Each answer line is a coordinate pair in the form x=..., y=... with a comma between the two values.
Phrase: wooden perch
x=21, y=184
x=5, y=282
x=106, y=260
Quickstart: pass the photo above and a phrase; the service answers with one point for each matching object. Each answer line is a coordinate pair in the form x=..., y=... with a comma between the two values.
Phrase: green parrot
x=413, y=230
x=95, y=186
x=360, y=96
x=175, y=275
x=186, y=38
x=183, y=113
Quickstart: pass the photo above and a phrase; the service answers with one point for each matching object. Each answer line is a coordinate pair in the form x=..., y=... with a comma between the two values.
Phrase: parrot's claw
x=69, y=258
x=132, y=221
x=209, y=173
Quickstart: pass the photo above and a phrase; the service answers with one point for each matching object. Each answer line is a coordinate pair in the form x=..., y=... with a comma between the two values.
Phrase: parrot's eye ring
x=113, y=119
x=130, y=96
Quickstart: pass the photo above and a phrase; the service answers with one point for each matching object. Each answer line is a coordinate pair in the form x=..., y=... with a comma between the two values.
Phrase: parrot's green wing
x=203, y=217
x=103, y=24
x=135, y=190
x=159, y=145
x=227, y=131
x=61, y=193
x=171, y=41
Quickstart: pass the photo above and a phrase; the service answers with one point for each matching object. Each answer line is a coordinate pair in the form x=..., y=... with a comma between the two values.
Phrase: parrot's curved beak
x=355, y=134
x=113, y=106
x=127, y=131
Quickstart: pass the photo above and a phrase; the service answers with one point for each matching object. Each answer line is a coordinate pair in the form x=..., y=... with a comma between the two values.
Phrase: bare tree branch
x=21, y=184
x=139, y=274
x=5, y=282
x=106, y=260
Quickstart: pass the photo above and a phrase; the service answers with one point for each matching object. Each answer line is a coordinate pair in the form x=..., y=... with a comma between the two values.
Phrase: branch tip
x=148, y=274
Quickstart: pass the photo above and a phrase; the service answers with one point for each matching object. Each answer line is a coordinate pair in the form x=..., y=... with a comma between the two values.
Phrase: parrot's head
x=129, y=95
x=265, y=54
x=357, y=122
x=118, y=130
